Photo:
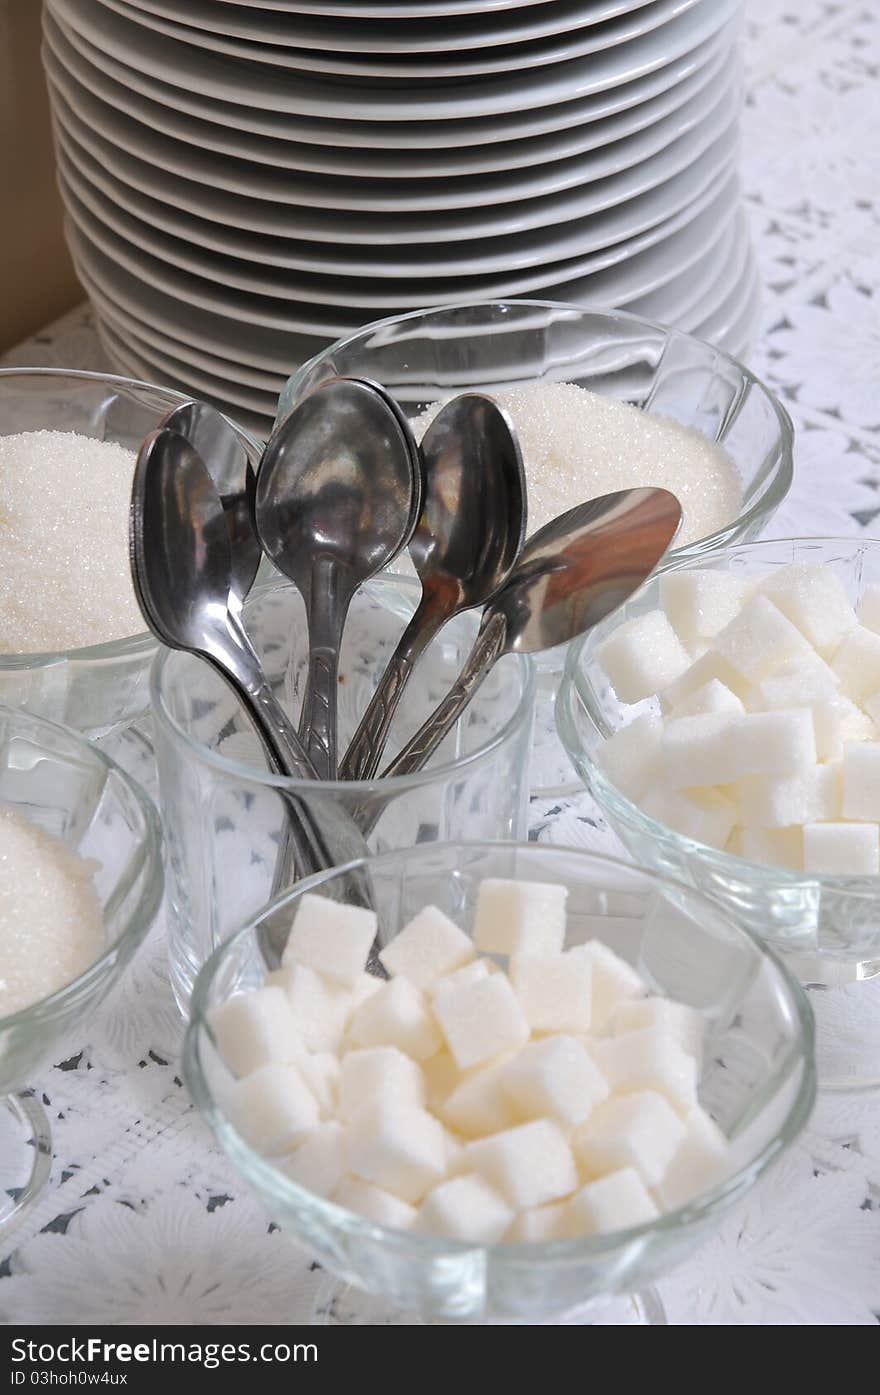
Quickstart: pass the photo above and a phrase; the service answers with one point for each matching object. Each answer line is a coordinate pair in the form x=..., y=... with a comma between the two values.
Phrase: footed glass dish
x=757, y=1082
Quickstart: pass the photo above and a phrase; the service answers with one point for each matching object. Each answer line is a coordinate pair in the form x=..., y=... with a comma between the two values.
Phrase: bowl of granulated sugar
x=72, y=641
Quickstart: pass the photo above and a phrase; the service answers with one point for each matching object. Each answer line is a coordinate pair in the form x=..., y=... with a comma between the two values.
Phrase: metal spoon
x=338, y=496
x=467, y=540
x=573, y=573
x=226, y=460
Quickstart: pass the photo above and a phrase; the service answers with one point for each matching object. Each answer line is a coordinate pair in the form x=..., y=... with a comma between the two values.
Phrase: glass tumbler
x=224, y=814
x=101, y=687
x=492, y=346
x=757, y=1082
x=827, y=927
x=71, y=790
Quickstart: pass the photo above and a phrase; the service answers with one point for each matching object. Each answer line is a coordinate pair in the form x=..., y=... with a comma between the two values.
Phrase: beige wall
x=37, y=281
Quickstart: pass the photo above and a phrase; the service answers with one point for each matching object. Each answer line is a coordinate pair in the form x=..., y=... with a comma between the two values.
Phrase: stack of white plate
x=245, y=182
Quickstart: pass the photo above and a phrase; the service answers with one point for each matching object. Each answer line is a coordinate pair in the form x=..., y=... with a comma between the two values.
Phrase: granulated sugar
x=577, y=445
x=64, y=574
x=51, y=922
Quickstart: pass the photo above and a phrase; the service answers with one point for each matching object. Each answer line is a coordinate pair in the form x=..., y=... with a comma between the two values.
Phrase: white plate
x=426, y=28
x=83, y=114
x=713, y=274
x=486, y=52
x=414, y=138
x=316, y=311
x=270, y=350
x=396, y=231
x=194, y=136
x=726, y=323
x=228, y=81
x=542, y=256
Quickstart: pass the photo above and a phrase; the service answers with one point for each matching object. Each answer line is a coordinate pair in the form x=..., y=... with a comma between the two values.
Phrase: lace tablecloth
x=145, y=1221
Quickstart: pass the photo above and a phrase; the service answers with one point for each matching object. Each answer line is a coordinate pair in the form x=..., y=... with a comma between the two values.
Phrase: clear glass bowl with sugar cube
x=806, y=663
x=78, y=566
x=755, y=1079
x=512, y=348
x=68, y=789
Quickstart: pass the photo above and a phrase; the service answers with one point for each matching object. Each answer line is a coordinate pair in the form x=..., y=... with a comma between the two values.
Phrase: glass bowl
x=224, y=814
x=829, y=926
x=494, y=345
x=757, y=1082
x=102, y=686
x=67, y=787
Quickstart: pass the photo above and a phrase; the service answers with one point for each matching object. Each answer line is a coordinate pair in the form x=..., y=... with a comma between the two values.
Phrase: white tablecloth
x=145, y=1221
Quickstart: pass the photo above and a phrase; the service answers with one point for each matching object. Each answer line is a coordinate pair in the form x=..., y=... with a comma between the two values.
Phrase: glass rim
x=777, y=486
x=148, y=857
x=396, y=784
x=801, y=1056
x=573, y=685
x=142, y=642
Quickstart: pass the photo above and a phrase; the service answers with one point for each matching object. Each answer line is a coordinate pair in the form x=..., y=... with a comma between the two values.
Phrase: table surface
x=145, y=1221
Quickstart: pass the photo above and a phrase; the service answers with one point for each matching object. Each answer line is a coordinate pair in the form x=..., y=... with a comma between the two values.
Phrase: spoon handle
x=317, y=723
x=361, y=760
x=488, y=648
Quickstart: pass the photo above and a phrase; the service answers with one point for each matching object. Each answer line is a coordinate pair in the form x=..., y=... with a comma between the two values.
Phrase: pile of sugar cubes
x=766, y=742
x=452, y=1098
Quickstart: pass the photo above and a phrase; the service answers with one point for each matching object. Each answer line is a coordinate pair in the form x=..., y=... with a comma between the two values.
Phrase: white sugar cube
x=707, y=816
x=683, y=1024
x=800, y=684
x=643, y=656
x=775, y=743
x=465, y=1208
x=713, y=698
x=318, y=1164
x=555, y=991
x=332, y=938
x=631, y=755
x=760, y=640
x=516, y=915
x=614, y=981
x=481, y=1020
x=321, y=1072
x=364, y=988
x=700, y=603
x=614, y=1202
x=701, y=750
x=555, y=1078
x=813, y=598
x=456, y=1156
x=254, y=1028
x=379, y=1073
x=649, y=1059
x=872, y=713
x=810, y=797
x=640, y=1130
x=441, y=1076
x=430, y=946
x=529, y=1165
x=772, y=847
x=478, y=1104
x=857, y=664
x=398, y=1148
x=375, y=1204
x=868, y=608
x=471, y=973
x=708, y=668
x=541, y=1225
x=700, y=1162
x=861, y=781
x=320, y=1006
x=398, y=1015
x=273, y=1108
x=842, y=849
